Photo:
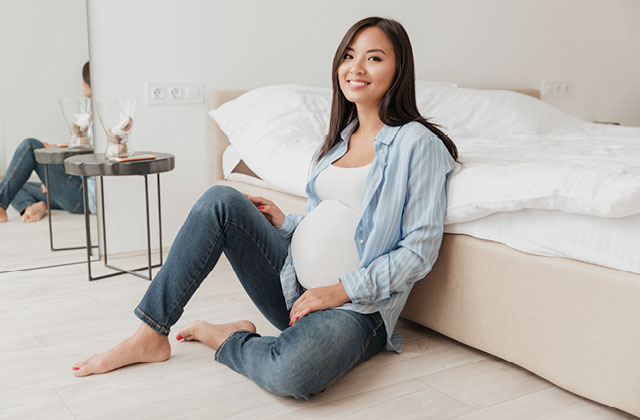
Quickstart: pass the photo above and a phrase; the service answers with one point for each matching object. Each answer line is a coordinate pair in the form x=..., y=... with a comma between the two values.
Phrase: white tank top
x=322, y=246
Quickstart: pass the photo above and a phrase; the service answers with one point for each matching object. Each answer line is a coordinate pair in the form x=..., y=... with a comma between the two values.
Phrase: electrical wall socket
x=174, y=92
x=555, y=89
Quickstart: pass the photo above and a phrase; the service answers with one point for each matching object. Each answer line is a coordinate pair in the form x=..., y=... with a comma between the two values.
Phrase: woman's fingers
x=257, y=200
x=300, y=314
x=294, y=309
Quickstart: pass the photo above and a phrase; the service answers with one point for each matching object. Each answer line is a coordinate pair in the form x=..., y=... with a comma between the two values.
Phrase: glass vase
x=77, y=113
x=117, y=117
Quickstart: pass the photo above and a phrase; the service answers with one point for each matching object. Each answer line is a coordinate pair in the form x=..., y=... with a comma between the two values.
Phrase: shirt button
x=361, y=241
x=360, y=228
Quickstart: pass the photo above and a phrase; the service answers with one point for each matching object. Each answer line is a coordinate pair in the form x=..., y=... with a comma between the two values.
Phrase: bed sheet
x=609, y=242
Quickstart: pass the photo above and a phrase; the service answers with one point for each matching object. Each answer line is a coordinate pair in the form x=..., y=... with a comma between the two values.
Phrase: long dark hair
x=398, y=105
x=86, y=75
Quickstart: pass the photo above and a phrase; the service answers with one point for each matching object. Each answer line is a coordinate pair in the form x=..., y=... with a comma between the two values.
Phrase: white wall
x=43, y=46
x=243, y=45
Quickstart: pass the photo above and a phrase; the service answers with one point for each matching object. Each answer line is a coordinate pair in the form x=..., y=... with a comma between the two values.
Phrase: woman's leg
x=304, y=359
x=30, y=202
x=65, y=191
x=29, y=194
x=222, y=220
x=19, y=171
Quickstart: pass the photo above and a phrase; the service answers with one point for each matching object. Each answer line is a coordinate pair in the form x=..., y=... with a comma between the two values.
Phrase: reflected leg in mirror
x=30, y=202
x=20, y=169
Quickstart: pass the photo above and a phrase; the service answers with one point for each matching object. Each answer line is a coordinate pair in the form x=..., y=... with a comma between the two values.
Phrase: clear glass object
x=77, y=112
x=117, y=117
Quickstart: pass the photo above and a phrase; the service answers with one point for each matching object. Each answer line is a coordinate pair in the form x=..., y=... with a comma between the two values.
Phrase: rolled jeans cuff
x=236, y=335
x=150, y=322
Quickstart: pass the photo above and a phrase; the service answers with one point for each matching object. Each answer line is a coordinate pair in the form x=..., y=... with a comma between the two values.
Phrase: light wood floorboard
x=31, y=247
x=53, y=317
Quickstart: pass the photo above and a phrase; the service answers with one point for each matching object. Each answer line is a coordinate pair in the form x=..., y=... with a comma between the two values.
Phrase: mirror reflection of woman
x=393, y=163
x=29, y=198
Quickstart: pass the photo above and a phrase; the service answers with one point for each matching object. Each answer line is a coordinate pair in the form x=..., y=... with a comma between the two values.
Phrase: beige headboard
x=219, y=140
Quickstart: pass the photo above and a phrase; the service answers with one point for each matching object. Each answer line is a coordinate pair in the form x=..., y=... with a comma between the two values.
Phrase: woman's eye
x=374, y=58
x=347, y=56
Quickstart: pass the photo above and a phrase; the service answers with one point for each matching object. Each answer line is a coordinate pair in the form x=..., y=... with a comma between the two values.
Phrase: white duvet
x=594, y=171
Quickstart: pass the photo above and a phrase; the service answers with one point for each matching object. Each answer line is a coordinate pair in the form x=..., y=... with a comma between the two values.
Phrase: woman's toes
x=186, y=334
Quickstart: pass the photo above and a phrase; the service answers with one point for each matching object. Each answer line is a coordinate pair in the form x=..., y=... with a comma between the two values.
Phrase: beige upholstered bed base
x=572, y=323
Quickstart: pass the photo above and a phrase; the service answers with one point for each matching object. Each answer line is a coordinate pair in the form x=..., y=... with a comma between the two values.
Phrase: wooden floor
x=26, y=245
x=53, y=317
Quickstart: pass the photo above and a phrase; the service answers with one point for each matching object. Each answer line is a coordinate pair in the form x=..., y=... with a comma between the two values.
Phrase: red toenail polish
x=297, y=317
x=261, y=207
x=290, y=323
x=178, y=337
x=75, y=368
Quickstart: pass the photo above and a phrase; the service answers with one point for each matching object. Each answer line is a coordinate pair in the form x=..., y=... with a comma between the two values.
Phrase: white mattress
x=609, y=242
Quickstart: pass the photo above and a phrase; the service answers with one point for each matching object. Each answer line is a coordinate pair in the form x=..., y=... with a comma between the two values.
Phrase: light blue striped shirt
x=401, y=224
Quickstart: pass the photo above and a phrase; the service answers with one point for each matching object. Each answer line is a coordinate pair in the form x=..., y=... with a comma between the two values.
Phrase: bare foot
x=3, y=215
x=35, y=212
x=213, y=334
x=145, y=345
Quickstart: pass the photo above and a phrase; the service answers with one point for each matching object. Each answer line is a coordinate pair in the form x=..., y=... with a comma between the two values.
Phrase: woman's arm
x=291, y=222
x=422, y=229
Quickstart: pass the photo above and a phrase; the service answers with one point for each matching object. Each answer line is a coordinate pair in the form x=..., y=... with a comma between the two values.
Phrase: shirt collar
x=345, y=134
x=386, y=134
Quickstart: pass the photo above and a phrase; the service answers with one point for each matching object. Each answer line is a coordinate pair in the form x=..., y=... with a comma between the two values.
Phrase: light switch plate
x=555, y=89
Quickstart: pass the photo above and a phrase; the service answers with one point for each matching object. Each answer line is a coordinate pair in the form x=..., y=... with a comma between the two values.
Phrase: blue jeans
x=66, y=190
x=305, y=358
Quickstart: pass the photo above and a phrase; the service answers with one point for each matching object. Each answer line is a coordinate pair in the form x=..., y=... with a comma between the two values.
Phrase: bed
x=565, y=312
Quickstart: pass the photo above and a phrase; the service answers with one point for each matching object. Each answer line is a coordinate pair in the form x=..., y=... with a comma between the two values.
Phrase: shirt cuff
x=351, y=283
x=287, y=227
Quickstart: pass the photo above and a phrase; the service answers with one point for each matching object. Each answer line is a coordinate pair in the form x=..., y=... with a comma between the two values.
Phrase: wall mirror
x=44, y=47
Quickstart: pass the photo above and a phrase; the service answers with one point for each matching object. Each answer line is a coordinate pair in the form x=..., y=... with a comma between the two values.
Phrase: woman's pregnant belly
x=322, y=246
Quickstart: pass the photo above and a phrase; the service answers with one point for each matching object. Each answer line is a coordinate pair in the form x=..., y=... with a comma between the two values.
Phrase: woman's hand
x=274, y=215
x=318, y=299
x=45, y=144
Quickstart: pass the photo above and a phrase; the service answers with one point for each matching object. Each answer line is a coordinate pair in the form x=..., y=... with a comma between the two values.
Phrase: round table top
x=57, y=155
x=97, y=165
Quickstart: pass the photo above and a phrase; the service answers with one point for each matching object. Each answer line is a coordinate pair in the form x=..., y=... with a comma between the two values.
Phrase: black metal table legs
x=104, y=236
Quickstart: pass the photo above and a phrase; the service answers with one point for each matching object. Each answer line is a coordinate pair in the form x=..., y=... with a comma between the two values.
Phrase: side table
x=97, y=165
x=56, y=156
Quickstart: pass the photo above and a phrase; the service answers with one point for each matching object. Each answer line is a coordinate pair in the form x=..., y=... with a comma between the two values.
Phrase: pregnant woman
x=334, y=281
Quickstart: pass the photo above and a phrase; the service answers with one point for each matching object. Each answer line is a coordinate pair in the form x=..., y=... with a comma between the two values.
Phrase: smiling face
x=367, y=68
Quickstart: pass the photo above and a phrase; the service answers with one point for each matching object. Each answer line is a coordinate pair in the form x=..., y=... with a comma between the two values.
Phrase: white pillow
x=492, y=112
x=430, y=83
x=276, y=130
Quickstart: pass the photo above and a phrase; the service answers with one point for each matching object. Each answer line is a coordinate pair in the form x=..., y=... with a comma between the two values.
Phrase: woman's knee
x=294, y=381
x=31, y=143
x=301, y=373
x=218, y=198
